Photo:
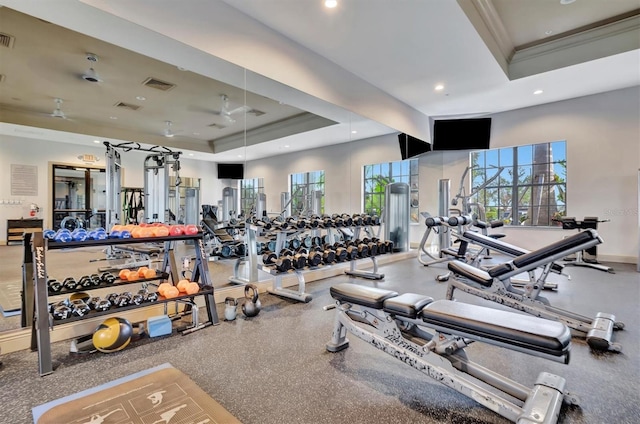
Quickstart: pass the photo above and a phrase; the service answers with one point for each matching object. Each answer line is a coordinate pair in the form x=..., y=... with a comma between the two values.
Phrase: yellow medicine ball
x=112, y=335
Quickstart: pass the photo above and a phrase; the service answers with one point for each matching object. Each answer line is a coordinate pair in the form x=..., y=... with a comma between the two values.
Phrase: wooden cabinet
x=17, y=227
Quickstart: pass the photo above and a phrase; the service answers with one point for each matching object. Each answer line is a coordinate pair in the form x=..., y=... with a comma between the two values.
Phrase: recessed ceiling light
x=566, y=1
x=113, y=117
x=190, y=154
x=141, y=98
x=354, y=132
x=286, y=146
x=548, y=32
x=239, y=156
x=96, y=141
x=196, y=133
x=439, y=87
x=330, y=3
x=538, y=92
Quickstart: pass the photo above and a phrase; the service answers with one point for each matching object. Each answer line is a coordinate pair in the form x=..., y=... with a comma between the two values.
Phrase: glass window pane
x=414, y=166
x=506, y=156
x=525, y=155
x=491, y=157
x=524, y=174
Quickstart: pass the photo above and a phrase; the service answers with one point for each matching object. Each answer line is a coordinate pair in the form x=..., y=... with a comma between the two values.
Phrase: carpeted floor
x=274, y=368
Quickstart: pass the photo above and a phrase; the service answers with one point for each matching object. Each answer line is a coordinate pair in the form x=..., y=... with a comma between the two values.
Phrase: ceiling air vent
x=255, y=112
x=6, y=40
x=129, y=106
x=157, y=84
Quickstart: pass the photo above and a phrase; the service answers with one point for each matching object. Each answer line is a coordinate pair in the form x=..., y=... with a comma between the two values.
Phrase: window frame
x=376, y=176
x=530, y=172
x=301, y=184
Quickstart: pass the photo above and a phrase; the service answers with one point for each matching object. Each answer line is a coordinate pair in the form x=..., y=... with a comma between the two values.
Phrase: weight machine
x=159, y=167
x=570, y=223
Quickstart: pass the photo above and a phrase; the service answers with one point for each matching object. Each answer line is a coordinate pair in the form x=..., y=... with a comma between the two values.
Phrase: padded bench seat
x=472, y=273
x=408, y=305
x=584, y=239
x=492, y=243
x=524, y=331
x=369, y=297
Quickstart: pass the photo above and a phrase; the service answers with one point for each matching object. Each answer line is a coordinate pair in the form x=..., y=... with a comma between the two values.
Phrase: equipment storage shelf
x=114, y=310
x=36, y=290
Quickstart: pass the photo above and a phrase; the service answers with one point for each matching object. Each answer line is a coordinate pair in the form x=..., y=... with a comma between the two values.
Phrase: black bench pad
x=472, y=273
x=497, y=245
x=525, y=331
x=370, y=297
x=589, y=237
x=407, y=305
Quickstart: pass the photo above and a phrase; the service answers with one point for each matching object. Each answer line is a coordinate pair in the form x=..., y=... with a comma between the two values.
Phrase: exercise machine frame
x=414, y=329
x=494, y=285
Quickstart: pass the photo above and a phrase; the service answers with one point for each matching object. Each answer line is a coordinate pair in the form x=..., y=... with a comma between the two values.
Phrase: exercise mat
x=10, y=299
x=161, y=395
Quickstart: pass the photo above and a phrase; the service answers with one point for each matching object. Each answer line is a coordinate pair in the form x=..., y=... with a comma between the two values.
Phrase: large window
x=530, y=189
x=376, y=178
x=307, y=193
x=249, y=190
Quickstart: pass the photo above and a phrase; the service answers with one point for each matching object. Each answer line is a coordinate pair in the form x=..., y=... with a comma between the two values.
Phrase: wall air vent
x=6, y=40
x=129, y=106
x=157, y=84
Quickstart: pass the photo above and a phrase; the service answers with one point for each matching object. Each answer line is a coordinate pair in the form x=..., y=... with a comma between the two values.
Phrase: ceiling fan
x=226, y=114
x=57, y=112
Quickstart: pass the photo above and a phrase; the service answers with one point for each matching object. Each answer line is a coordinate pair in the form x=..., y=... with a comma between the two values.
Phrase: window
x=307, y=193
x=531, y=188
x=376, y=178
x=249, y=189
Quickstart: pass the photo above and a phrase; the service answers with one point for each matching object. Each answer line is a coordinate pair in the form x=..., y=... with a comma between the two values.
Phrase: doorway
x=79, y=197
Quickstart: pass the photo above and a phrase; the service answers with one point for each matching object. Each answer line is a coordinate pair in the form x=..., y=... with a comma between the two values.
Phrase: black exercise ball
x=112, y=335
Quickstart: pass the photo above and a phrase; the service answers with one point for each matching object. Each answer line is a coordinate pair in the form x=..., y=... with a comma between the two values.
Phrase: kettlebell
x=230, y=309
x=251, y=306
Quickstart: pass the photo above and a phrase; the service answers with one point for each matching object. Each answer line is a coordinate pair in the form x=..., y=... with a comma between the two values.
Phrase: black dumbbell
x=69, y=283
x=341, y=254
x=137, y=299
x=363, y=250
x=382, y=248
x=228, y=250
x=85, y=282
x=151, y=297
x=294, y=244
x=357, y=220
x=299, y=260
x=373, y=248
x=389, y=245
x=93, y=301
x=62, y=312
x=79, y=308
x=54, y=286
x=241, y=249
x=328, y=256
x=352, y=252
x=103, y=305
x=347, y=220
x=269, y=258
x=314, y=258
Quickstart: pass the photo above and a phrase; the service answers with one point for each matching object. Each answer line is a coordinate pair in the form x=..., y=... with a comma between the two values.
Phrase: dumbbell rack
x=36, y=271
x=277, y=289
x=371, y=275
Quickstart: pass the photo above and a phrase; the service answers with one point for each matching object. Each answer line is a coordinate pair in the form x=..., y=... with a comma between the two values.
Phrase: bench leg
x=339, y=339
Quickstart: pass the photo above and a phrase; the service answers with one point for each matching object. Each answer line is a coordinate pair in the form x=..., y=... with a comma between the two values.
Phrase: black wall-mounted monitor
x=411, y=146
x=234, y=171
x=461, y=134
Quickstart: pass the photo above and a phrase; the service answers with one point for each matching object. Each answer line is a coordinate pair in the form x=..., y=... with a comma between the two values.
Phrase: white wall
x=28, y=151
x=603, y=153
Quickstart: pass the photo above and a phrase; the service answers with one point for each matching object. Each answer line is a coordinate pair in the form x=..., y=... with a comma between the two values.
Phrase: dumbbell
x=375, y=220
x=228, y=250
x=85, y=282
x=352, y=252
x=347, y=220
x=363, y=250
x=357, y=220
x=373, y=248
x=299, y=259
x=382, y=248
x=93, y=301
x=107, y=278
x=294, y=244
x=389, y=245
x=314, y=258
x=328, y=255
x=341, y=254
x=79, y=308
x=95, y=280
x=54, y=286
x=241, y=249
x=282, y=264
x=69, y=283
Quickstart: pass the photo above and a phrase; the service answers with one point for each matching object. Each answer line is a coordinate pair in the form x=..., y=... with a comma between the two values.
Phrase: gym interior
x=323, y=249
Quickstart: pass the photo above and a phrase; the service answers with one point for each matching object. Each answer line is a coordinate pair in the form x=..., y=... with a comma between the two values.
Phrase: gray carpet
x=274, y=368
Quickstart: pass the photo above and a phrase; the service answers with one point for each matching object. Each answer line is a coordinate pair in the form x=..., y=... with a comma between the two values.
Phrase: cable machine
x=158, y=169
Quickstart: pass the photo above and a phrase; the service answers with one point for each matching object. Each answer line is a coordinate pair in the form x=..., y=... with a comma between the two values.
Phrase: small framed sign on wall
x=24, y=180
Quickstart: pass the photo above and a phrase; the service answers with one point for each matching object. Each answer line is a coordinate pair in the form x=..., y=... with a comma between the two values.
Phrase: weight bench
x=431, y=336
x=494, y=285
x=488, y=243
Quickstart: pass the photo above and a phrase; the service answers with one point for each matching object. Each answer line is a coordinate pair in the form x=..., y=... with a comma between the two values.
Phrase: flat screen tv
x=461, y=134
x=234, y=171
x=411, y=146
